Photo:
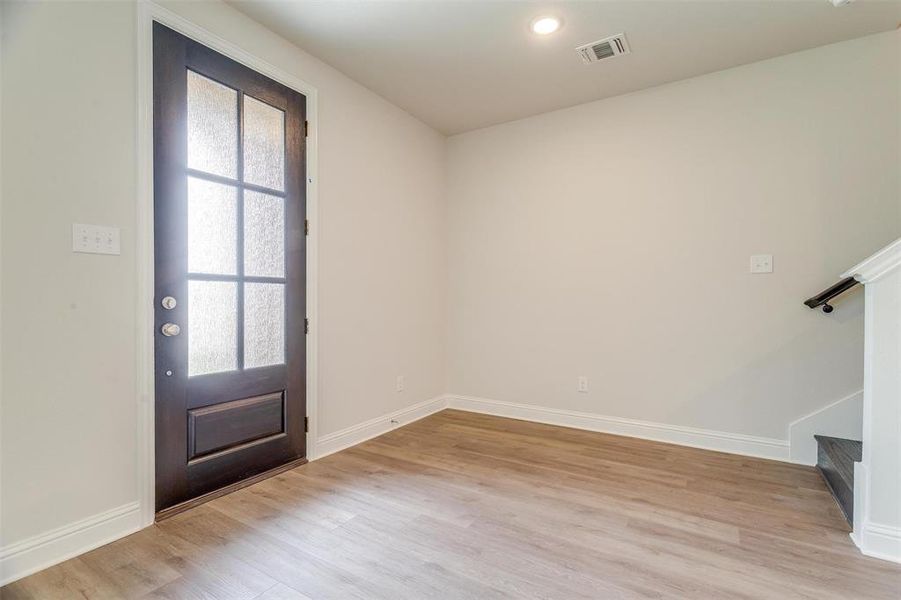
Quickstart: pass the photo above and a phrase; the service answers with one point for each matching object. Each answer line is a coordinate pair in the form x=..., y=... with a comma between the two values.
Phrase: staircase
x=835, y=461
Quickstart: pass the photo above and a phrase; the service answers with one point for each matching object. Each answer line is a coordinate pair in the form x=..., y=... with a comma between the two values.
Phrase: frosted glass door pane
x=264, y=324
x=264, y=235
x=264, y=144
x=212, y=327
x=212, y=126
x=212, y=227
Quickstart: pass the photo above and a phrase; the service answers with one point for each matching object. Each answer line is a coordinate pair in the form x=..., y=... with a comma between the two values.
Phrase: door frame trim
x=147, y=13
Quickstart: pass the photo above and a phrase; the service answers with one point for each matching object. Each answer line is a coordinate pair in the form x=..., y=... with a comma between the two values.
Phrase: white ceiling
x=461, y=65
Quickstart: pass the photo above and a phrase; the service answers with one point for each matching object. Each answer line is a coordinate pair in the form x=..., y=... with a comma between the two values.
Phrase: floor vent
x=610, y=47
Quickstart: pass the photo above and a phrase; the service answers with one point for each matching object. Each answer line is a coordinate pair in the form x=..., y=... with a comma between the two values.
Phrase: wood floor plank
x=468, y=506
x=281, y=592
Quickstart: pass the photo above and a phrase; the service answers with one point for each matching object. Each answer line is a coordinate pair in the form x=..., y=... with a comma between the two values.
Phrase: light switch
x=762, y=263
x=95, y=239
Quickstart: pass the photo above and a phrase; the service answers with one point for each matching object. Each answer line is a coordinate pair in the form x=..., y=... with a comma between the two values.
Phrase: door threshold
x=233, y=487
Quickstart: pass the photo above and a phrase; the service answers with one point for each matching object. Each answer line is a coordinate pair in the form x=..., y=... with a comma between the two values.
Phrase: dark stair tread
x=835, y=461
x=843, y=454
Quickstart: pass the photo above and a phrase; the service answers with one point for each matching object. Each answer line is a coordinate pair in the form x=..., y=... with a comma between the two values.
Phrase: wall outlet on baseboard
x=400, y=383
x=583, y=384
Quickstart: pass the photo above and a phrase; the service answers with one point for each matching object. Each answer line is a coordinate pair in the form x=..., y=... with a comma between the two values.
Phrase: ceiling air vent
x=614, y=45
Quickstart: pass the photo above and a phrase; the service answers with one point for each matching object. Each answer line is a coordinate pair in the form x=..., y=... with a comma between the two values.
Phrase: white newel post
x=877, y=478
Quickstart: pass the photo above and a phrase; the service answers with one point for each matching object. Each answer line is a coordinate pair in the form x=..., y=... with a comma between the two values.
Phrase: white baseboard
x=32, y=555
x=879, y=541
x=733, y=443
x=872, y=539
x=40, y=552
x=357, y=434
x=45, y=550
x=843, y=419
x=861, y=487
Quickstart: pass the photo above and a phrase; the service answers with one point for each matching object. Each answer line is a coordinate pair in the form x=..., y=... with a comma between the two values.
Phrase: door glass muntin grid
x=269, y=276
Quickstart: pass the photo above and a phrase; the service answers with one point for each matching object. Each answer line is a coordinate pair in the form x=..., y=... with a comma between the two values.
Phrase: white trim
x=879, y=541
x=2, y=571
x=357, y=434
x=871, y=269
x=872, y=539
x=147, y=13
x=829, y=420
x=144, y=266
x=733, y=443
x=825, y=408
x=48, y=549
x=39, y=552
x=860, y=489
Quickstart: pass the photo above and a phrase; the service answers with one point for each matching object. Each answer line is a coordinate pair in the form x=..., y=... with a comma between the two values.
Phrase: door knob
x=170, y=329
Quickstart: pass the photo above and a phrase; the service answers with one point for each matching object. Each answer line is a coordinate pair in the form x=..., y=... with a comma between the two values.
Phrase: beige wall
x=609, y=240
x=68, y=365
x=613, y=239
x=69, y=323
x=382, y=231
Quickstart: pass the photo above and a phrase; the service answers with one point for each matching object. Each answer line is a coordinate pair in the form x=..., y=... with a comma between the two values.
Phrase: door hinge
x=306, y=325
x=306, y=424
x=306, y=129
x=306, y=227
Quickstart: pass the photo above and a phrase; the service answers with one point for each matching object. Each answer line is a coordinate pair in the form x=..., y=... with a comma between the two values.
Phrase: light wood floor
x=467, y=506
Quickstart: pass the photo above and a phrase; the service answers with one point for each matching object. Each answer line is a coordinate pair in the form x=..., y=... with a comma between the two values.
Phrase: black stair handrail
x=823, y=298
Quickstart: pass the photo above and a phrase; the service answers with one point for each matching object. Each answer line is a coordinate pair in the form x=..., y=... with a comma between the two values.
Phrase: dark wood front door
x=229, y=213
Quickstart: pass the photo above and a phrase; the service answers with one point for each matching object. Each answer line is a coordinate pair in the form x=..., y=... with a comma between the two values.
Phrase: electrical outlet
x=583, y=384
x=400, y=383
x=762, y=263
x=95, y=239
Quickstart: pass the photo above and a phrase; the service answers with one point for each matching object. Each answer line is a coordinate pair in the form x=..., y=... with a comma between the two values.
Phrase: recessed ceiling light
x=545, y=25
